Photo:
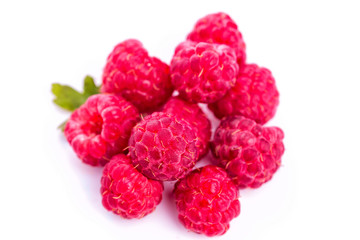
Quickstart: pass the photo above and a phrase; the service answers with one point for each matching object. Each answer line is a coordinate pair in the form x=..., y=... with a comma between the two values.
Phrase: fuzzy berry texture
x=206, y=200
x=163, y=147
x=249, y=152
x=220, y=28
x=126, y=192
x=203, y=72
x=254, y=96
x=193, y=114
x=142, y=80
x=101, y=128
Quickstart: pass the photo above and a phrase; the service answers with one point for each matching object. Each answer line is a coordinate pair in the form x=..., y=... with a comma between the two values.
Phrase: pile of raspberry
x=145, y=126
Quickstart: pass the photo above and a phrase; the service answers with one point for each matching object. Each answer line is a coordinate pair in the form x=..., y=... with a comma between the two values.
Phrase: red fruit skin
x=101, y=128
x=206, y=200
x=132, y=73
x=254, y=96
x=203, y=72
x=249, y=152
x=220, y=28
x=163, y=147
x=126, y=192
x=192, y=113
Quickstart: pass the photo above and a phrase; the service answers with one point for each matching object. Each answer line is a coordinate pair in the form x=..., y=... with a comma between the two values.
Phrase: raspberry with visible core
x=193, y=114
x=254, y=96
x=132, y=73
x=100, y=128
x=249, y=152
x=203, y=72
x=220, y=28
x=126, y=192
x=206, y=200
x=163, y=147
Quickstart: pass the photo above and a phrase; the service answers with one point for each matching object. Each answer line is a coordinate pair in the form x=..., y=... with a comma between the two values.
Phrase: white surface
x=312, y=48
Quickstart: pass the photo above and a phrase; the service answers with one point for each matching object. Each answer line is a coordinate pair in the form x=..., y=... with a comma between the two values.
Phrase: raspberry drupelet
x=220, y=28
x=249, y=152
x=207, y=200
x=193, y=114
x=254, y=96
x=126, y=192
x=101, y=128
x=163, y=147
x=203, y=72
x=132, y=73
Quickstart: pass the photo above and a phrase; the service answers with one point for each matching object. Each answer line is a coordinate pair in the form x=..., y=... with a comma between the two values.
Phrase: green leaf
x=62, y=125
x=89, y=86
x=68, y=98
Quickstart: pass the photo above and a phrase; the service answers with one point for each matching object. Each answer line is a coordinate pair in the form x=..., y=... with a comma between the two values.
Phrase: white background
x=312, y=48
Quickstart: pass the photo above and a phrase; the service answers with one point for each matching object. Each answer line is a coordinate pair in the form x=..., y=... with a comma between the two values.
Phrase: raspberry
x=126, y=192
x=249, y=152
x=220, y=28
x=203, y=72
x=193, y=114
x=142, y=80
x=163, y=147
x=254, y=96
x=100, y=128
x=206, y=200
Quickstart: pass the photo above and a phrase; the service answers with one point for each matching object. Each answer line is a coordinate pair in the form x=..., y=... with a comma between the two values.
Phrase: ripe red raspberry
x=126, y=192
x=142, y=80
x=193, y=114
x=249, y=152
x=203, y=72
x=206, y=200
x=101, y=128
x=220, y=28
x=163, y=147
x=254, y=96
